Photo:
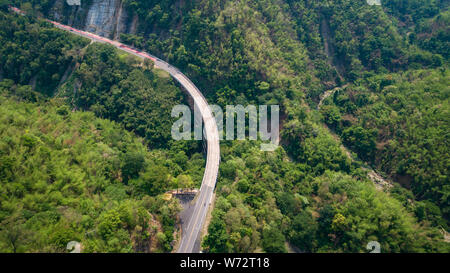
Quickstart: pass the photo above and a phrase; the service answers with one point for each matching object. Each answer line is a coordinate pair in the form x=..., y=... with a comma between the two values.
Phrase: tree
x=4, y=4
x=149, y=64
x=332, y=115
x=361, y=140
x=184, y=182
x=154, y=180
x=304, y=228
x=216, y=241
x=133, y=163
x=273, y=240
x=14, y=233
x=243, y=186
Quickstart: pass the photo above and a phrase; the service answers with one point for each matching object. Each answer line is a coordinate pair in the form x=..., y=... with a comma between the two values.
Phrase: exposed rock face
x=106, y=18
x=134, y=24
x=56, y=11
x=73, y=15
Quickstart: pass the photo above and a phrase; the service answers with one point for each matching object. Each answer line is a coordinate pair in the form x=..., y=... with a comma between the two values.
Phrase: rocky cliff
x=104, y=17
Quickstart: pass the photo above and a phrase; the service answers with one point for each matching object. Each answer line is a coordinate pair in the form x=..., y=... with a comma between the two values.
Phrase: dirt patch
x=329, y=93
x=446, y=236
x=404, y=180
x=151, y=244
x=349, y=118
x=161, y=73
x=381, y=145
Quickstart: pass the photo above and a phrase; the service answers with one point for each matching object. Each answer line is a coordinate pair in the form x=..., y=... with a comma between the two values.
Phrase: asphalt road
x=211, y=134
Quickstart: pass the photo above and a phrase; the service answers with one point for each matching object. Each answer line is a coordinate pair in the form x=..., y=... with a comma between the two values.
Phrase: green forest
x=68, y=175
x=400, y=122
x=74, y=177
x=389, y=65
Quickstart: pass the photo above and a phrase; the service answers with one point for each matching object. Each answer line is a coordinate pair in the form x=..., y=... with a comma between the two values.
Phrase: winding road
x=211, y=134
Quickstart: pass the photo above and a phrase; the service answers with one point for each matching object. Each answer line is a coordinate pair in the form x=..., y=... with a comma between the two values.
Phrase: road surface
x=211, y=133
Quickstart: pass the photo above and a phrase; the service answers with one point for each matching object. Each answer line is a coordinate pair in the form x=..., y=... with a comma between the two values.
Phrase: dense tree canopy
x=62, y=179
x=390, y=62
x=401, y=123
x=86, y=179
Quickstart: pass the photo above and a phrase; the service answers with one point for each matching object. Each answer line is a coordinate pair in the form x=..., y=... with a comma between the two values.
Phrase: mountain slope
x=273, y=52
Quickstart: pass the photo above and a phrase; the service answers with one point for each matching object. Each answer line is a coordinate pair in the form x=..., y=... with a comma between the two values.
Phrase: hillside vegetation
x=52, y=158
x=72, y=177
x=401, y=123
x=392, y=64
x=255, y=52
